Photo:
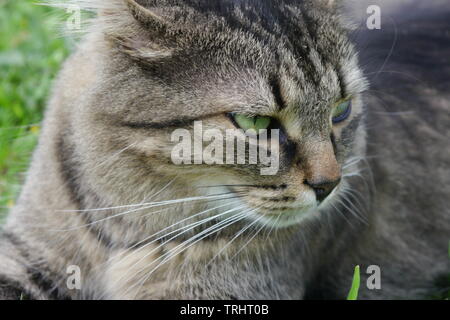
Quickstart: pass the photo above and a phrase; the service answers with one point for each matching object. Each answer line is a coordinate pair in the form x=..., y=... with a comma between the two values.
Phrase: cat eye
x=256, y=123
x=342, y=111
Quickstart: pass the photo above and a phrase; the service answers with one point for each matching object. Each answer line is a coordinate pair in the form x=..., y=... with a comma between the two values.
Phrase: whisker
x=273, y=226
x=134, y=210
x=250, y=240
x=165, y=229
x=341, y=213
x=159, y=203
x=114, y=155
x=351, y=210
x=202, y=235
x=229, y=185
x=190, y=227
x=353, y=193
x=391, y=51
x=234, y=238
x=185, y=228
x=207, y=201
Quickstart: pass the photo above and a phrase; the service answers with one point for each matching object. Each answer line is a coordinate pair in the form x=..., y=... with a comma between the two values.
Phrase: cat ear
x=146, y=14
x=330, y=4
x=154, y=20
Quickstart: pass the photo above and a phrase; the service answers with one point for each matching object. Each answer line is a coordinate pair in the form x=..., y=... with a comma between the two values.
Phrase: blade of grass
x=353, y=294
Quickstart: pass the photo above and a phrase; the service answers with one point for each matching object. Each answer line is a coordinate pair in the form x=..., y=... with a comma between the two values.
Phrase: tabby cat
x=364, y=159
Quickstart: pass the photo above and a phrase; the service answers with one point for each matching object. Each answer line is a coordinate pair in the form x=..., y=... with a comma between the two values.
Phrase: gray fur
x=148, y=67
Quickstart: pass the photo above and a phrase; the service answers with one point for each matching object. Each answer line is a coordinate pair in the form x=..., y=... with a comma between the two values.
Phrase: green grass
x=31, y=51
x=354, y=290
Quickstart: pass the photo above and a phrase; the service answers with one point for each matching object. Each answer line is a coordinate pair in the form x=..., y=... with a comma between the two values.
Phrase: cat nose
x=323, y=189
x=321, y=169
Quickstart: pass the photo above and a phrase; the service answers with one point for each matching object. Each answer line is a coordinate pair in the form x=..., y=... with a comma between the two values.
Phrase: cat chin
x=283, y=219
x=288, y=218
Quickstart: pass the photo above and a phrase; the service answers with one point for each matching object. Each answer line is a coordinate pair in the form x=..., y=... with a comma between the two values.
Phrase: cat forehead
x=242, y=61
x=273, y=38
x=263, y=9
x=210, y=24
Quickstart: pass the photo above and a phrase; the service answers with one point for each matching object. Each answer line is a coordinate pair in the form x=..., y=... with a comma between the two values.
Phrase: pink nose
x=322, y=172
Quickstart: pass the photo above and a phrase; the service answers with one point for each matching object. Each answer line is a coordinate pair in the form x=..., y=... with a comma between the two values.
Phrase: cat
x=363, y=174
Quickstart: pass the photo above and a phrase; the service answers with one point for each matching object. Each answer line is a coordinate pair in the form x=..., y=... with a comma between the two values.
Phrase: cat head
x=231, y=64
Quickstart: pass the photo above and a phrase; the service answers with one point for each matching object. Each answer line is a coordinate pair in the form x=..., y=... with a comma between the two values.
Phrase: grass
x=354, y=290
x=31, y=52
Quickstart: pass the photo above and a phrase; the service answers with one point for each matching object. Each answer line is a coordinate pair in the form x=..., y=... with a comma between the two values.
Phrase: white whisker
x=159, y=203
x=165, y=229
x=114, y=155
x=234, y=238
x=186, y=229
x=190, y=227
x=250, y=240
x=192, y=241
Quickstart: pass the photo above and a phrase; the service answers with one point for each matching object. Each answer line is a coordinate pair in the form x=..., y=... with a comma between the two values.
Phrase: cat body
x=101, y=193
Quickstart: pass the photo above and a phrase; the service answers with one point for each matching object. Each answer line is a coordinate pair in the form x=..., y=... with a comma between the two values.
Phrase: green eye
x=257, y=123
x=342, y=111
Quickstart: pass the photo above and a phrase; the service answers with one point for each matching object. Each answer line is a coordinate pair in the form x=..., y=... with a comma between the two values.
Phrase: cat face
x=228, y=64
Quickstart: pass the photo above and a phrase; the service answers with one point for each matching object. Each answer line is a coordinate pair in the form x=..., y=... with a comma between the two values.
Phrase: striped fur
x=101, y=193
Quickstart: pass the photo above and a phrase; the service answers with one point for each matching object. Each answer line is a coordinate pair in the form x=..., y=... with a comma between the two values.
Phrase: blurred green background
x=31, y=51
